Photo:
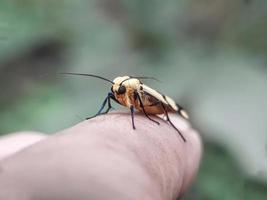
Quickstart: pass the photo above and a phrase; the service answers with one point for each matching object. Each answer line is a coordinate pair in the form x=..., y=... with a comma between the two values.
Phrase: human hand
x=104, y=158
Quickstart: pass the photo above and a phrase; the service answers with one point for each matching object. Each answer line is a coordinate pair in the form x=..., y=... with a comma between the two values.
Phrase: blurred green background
x=210, y=56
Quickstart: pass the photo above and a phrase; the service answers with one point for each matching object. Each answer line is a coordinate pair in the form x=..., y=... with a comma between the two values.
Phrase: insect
x=129, y=91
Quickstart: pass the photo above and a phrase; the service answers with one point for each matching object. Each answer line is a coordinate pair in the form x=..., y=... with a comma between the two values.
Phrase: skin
x=102, y=158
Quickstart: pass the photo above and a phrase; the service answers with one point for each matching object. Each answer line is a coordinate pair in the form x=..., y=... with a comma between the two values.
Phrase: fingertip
x=193, y=149
x=163, y=141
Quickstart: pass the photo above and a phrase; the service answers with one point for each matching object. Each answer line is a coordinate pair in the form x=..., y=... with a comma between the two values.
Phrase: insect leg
x=142, y=106
x=107, y=99
x=168, y=119
x=132, y=115
x=110, y=96
x=109, y=105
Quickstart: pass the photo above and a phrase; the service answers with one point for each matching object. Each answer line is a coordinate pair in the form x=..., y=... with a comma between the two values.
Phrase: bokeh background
x=210, y=56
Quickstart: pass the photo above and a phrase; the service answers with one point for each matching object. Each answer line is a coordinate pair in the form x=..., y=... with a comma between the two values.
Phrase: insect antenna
x=145, y=77
x=91, y=75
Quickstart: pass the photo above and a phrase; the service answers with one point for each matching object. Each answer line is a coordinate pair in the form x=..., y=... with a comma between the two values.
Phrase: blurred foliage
x=223, y=179
x=209, y=54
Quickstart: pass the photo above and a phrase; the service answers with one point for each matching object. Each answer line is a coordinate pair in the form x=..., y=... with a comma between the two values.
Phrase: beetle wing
x=154, y=98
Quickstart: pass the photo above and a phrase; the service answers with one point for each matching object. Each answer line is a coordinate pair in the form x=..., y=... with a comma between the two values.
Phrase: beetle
x=130, y=92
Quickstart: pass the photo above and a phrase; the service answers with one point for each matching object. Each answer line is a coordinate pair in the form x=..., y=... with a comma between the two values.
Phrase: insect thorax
x=129, y=83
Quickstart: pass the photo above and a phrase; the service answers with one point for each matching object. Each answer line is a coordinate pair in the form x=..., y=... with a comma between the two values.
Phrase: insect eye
x=112, y=89
x=121, y=89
